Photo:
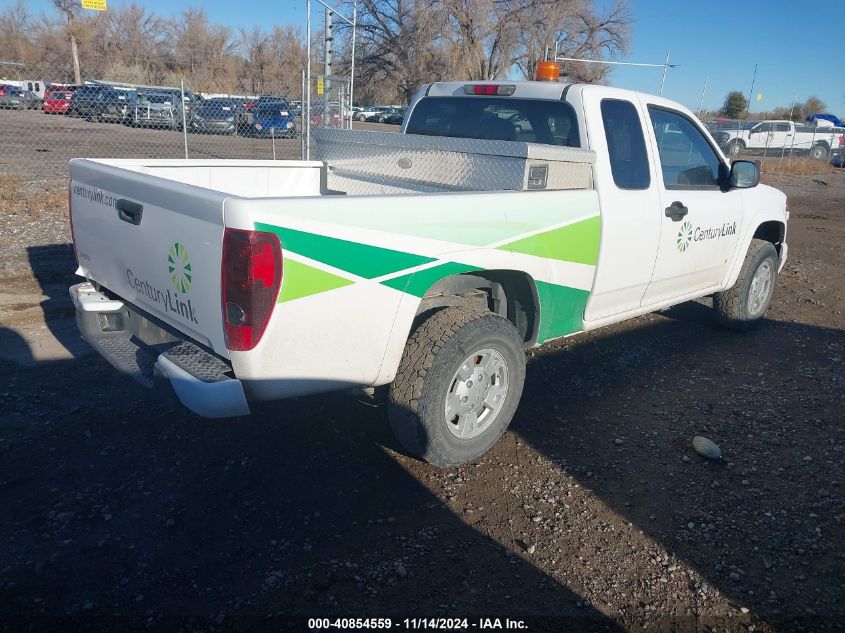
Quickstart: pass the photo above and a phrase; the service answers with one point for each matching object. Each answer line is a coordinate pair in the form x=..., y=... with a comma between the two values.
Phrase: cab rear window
x=496, y=118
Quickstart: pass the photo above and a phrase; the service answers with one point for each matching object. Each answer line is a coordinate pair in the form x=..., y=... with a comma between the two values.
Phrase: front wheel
x=458, y=386
x=743, y=306
x=735, y=149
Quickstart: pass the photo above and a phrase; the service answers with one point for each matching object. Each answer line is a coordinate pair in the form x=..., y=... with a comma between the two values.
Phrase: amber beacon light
x=547, y=71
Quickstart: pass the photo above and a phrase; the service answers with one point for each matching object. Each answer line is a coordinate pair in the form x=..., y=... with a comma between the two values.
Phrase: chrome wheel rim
x=761, y=287
x=477, y=392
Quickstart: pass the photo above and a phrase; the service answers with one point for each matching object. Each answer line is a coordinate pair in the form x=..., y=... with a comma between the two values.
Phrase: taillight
x=70, y=219
x=251, y=277
x=489, y=89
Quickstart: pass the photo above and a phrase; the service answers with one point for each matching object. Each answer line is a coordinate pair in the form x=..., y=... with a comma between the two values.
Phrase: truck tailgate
x=154, y=242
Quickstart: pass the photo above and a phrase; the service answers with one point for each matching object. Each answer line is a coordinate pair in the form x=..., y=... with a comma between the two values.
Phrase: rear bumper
x=201, y=381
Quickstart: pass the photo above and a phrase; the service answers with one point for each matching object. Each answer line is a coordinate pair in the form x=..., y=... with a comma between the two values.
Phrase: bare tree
x=287, y=52
x=401, y=43
x=70, y=9
x=15, y=29
x=255, y=48
x=579, y=31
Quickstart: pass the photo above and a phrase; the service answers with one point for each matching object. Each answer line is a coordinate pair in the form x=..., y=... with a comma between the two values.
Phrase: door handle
x=676, y=211
x=129, y=211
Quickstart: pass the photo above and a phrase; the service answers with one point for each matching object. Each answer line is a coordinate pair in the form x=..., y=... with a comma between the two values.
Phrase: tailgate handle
x=129, y=211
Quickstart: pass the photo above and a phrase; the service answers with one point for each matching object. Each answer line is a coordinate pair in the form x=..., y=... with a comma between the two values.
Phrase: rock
x=744, y=609
x=619, y=441
x=531, y=549
x=691, y=525
x=272, y=580
x=686, y=459
x=401, y=571
x=706, y=447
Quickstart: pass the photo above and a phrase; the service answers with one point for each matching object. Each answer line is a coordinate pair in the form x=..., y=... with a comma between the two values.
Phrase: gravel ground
x=593, y=510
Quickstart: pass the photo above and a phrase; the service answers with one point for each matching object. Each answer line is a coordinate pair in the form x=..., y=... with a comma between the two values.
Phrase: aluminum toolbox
x=362, y=162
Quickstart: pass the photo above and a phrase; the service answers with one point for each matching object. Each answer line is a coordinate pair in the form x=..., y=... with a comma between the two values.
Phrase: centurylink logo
x=179, y=267
x=684, y=236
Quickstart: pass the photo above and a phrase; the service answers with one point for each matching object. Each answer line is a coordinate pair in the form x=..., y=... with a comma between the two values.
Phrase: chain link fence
x=777, y=140
x=47, y=119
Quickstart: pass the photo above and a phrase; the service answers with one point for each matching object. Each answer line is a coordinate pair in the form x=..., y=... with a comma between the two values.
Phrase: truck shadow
x=124, y=506
x=135, y=508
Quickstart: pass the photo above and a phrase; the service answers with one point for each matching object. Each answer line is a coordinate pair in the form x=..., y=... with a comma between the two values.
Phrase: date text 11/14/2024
x=418, y=624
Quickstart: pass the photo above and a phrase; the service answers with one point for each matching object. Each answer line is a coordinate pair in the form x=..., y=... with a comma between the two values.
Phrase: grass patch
x=803, y=166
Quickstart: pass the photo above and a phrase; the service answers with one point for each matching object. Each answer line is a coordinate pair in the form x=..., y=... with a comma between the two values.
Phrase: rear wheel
x=458, y=385
x=743, y=306
x=818, y=152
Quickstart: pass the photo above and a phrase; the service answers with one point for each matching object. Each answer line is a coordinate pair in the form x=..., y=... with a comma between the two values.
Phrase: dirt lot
x=593, y=512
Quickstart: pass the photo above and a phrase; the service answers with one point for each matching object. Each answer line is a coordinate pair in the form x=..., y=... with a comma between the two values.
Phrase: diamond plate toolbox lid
x=368, y=162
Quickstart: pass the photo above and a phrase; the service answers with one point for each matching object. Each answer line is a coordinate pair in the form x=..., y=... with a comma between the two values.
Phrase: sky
x=799, y=52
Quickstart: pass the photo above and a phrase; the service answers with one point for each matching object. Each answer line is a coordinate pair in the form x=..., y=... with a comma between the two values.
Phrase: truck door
x=625, y=182
x=760, y=136
x=699, y=222
x=781, y=136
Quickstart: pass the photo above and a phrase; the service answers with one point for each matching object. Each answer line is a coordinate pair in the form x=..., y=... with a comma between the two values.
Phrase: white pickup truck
x=819, y=141
x=506, y=215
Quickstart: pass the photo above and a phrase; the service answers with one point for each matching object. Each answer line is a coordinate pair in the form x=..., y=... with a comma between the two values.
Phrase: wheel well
x=771, y=231
x=821, y=144
x=511, y=294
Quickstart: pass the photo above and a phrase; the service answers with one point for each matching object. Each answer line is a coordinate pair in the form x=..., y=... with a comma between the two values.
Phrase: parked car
x=395, y=118
x=161, y=110
x=273, y=118
x=98, y=102
x=57, y=99
x=13, y=97
x=366, y=113
x=217, y=115
x=381, y=116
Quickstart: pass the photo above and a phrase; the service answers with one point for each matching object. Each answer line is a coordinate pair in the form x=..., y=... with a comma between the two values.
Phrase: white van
x=37, y=86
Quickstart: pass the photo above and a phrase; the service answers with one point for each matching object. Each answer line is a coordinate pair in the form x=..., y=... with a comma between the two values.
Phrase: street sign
x=94, y=5
x=321, y=86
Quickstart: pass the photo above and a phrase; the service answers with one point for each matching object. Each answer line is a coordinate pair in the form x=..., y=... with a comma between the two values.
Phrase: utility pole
x=327, y=68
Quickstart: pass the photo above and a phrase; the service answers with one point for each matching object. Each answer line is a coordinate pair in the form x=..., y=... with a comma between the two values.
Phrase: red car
x=57, y=99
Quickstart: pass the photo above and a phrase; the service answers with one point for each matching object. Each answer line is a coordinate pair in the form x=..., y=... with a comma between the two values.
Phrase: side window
x=782, y=127
x=625, y=144
x=37, y=87
x=686, y=158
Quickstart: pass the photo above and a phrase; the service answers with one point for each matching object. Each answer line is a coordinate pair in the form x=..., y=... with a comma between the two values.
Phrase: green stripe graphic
x=353, y=257
x=577, y=243
x=561, y=310
x=419, y=282
x=301, y=280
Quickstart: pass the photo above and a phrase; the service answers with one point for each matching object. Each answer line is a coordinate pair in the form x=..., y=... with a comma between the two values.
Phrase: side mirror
x=745, y=174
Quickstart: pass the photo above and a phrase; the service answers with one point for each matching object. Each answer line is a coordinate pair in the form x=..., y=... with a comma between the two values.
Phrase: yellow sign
x=94, y=5
x=321, y=87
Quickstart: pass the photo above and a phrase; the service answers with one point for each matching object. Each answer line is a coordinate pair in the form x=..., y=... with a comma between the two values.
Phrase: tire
x=743, y=306
x=735, y=148
x=428, y=386
x=818, y=152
